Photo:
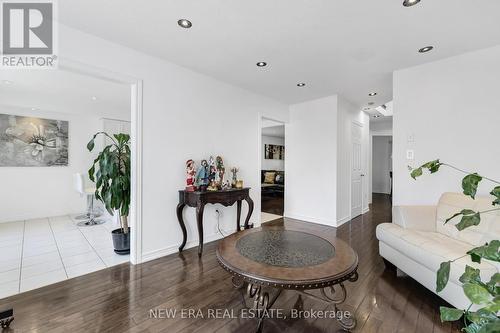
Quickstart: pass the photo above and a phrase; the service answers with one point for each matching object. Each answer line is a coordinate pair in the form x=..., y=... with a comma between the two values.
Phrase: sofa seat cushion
x=430, y=249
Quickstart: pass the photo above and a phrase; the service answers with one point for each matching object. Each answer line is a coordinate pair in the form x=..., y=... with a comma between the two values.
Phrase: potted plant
x=111, y=173
x=484, y=295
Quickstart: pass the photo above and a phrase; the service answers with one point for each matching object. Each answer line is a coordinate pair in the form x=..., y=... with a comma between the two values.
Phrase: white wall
x=36, y=192
x=347, y=115
x=382, y=164
x=311, y=161
x=382, y=126
x=318, y=160
x=177, y=106
x=451, y=109
x=268, y=164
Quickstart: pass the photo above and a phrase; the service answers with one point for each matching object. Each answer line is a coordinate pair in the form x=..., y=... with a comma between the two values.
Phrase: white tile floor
x=35, y=253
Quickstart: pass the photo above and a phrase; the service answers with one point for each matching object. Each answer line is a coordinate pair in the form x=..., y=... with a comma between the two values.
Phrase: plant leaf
x=443, y=275
x=476, y=293
x=489, y=251
x=463, y=212
x=450, y=314
x=496, y=193
x=91, y=144
x=468, y=221
x=416, y=173
x=470, y=275
x=492, y=285
x=491, y=327
x=470, y=184
x=494, y=306
x=432, y=166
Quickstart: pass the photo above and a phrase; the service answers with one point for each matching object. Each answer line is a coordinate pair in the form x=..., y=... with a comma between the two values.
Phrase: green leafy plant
x=486, y=295
x=111, y=173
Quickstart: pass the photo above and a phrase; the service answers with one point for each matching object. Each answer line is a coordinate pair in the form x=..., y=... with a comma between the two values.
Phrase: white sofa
x=418, y=241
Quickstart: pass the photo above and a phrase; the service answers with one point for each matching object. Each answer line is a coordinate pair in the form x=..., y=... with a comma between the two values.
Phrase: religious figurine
x=190, y=172
x=212, y=174
x=202, y=176
x=220, y=169
x=234, y=171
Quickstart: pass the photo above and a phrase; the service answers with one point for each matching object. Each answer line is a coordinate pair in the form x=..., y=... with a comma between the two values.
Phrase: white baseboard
x=148, y=256
x=343, y=220
x=311, y=219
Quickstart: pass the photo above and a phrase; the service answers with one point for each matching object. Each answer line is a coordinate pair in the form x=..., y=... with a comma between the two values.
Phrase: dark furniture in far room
x=272, y=191
x=276, y=187
x=199, y=199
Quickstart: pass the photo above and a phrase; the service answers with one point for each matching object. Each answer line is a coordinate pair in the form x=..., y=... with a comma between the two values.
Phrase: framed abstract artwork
x=274, y=152
x=33, y=142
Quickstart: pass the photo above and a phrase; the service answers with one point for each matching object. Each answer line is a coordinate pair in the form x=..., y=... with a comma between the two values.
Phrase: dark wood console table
x=199, y=199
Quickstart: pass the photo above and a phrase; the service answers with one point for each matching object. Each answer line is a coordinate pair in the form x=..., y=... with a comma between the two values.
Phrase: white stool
x=90, y=216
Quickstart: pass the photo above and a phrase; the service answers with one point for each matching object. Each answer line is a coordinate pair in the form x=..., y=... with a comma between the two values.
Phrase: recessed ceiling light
x=34, y=109
x=372, y=94
x=94, y=98
x=426, y=49
x=261, y=64
x=183, y=23
x=7, y=82
x=409, y=3
x=301, y=84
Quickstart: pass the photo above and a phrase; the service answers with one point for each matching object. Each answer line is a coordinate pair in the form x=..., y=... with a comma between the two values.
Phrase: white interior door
x=356, y=171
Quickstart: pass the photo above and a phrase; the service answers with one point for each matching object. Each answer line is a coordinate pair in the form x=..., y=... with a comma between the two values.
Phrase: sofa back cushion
x=487, y=230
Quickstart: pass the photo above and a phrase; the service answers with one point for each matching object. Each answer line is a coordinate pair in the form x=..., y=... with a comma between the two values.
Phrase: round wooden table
x=271, y=259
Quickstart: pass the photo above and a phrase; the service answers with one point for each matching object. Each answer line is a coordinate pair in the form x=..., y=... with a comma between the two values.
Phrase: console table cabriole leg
x=261, y=302
x=199, y=219
x=250, y=211
x=180, y=208
x=238, y=215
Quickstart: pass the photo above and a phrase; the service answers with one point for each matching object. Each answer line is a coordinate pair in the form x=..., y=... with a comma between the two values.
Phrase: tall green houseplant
x=484, y=294
x=111, y=173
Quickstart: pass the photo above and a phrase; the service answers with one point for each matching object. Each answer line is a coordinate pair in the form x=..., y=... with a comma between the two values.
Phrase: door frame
x=136, y=109
x=370, y=161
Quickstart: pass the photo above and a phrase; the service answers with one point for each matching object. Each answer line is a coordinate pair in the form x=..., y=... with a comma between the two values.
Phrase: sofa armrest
x=415, y=217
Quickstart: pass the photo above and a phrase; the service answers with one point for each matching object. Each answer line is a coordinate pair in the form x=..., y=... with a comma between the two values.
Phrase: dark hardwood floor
x=272, y=204
x=119, y=299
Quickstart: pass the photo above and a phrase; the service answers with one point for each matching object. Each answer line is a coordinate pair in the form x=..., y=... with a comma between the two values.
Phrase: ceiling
x=275, y=131
x=342, y=46
x=64, y=91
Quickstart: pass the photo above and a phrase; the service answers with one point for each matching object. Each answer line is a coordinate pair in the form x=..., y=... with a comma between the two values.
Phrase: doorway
x=272, y=169
x=382, y=164
x=45, y=242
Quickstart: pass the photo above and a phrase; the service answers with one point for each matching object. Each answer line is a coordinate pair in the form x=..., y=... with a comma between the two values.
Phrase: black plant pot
x=121, y=241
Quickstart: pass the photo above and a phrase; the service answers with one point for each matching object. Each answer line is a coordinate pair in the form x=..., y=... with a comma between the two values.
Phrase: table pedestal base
x=265, y=297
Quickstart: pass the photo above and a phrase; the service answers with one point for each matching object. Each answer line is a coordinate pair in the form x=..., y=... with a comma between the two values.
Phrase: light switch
x=411, y=137
x=410, y=155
